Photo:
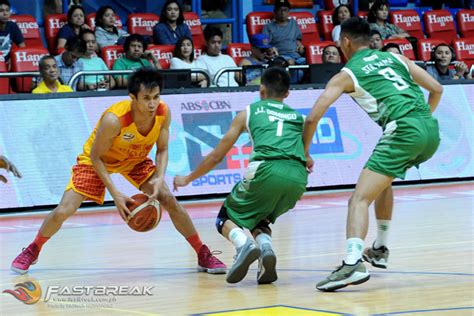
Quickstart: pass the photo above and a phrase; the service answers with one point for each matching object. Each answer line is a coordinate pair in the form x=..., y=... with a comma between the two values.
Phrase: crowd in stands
x=98, y=42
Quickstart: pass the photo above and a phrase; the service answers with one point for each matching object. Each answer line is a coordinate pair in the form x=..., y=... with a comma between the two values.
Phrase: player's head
x=144, y=87
x=275, y=83
x=355, y=34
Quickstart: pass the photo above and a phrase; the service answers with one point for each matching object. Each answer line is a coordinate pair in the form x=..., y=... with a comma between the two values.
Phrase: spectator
x=9, y=31
x=50, y=74
x=68, y=62
x=91, y=62
x=216, y=9
x=262, y=53
x=331, y=55
x=375, y=40
x=442, y=56
x=106, y=32
x=392, y=48
x=214, y=60
x=75, y=23
x=184, y=59
x=285, y=34
x=171, y=27
x=377, y=18
x=136, y=57
x=341, y=13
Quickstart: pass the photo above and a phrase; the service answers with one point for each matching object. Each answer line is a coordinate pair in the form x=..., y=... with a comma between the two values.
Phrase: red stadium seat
x=238, y=51
x=90, y=20
x=296, y=3
x=194, y=22
x=198, y=51
x=464, y=48
x=255, y=21
x=314, y=51
x=29, y=28
x=363, y=14
x=405, y=47
x=409, y=21
x=142, y=23
x=26, y=59
x=52, y=24
x=465, y=19
x=111, y=53
x=325, y=24
x=425, y=47
x=163, y=53
x=307, y=24
x=440, y=24
x=4, y=82
x=332, y=4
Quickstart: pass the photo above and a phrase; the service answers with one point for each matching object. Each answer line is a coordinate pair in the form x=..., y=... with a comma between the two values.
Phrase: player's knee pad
x=221, y=219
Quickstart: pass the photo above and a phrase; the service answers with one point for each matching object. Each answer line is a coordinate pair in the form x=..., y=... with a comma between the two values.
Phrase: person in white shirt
x=214, y=60
x=341, y=13
x=184, y=59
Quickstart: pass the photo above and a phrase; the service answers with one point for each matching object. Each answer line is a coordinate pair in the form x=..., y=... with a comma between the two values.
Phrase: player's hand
x=120, y=201
x=8, y=166
x=309, y=163
x=180, y=181
x=157, y=184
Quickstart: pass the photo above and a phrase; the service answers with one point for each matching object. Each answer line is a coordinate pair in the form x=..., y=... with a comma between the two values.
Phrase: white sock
x=383, y=226
x=237, y=237
x=263, y=239
x=354, y=248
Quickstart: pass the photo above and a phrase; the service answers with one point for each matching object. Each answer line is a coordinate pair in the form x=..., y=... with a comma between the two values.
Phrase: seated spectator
x=214, y=60
x=50, y=74
x=171, y=27
x=392, y=48
x=331, y=55
x=262, y=53
x=375, y=40
x=106, y=32
x=75, y=23
x=285, y=34
x=9, y=31
x=341, y=13
x=378, y=15
x=218, y=9
x=184, y=59
x=442, y=56
x=91, y=62
x=136, y=57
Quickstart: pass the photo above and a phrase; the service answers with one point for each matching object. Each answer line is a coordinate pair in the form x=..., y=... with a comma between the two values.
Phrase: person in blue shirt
x=9, y=31
x=171, y=27
x=76, y=22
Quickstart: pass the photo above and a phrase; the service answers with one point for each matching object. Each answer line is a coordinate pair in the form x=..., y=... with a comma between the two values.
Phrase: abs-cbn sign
x=206, y=105
x=407, y=20
x=441, y=20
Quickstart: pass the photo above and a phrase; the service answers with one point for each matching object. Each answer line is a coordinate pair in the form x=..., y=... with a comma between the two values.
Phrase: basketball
x=145, y=214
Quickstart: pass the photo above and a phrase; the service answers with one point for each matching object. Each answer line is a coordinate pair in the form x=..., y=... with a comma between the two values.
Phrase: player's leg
x=377, y=255
x=69, y=204
x=267, y=260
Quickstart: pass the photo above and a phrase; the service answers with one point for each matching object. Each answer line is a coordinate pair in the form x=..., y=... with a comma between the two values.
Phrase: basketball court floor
x=430, y=271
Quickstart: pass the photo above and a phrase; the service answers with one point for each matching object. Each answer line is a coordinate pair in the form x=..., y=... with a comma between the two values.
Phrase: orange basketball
x=145, y=214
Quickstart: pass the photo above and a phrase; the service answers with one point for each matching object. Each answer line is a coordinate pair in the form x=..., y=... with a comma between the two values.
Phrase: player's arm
x=8, y=166
x=161, y=158
x=215, y=157
x=108, y=129
x=424, y=79
x=339, y=84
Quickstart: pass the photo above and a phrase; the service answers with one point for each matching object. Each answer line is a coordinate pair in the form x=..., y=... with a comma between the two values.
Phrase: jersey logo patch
x=128, y=136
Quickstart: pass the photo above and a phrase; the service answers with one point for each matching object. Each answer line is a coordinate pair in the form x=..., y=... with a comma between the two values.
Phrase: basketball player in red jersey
x=120, y=143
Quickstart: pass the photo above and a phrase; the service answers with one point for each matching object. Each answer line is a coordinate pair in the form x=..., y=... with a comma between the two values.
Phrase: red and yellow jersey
x=130, y=147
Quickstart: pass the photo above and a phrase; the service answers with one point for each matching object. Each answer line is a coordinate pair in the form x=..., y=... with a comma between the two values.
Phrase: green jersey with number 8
x=384, y=87
x=275, y=130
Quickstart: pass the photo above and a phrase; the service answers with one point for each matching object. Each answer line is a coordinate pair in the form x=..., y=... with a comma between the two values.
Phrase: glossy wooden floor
x=430, y=268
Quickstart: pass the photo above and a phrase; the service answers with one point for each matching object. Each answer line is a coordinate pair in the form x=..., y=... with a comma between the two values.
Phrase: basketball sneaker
x=246, y=254
x=376, y=257
x=343, y=276
x=266, y=265
x=27, y=257
x=207, y=262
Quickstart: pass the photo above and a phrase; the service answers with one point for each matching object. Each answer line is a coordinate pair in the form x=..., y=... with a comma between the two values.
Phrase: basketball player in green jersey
x=274, y=181
x=385, y=85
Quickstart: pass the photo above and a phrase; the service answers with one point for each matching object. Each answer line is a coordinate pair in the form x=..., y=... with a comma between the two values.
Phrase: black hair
x=76, y=44
x=177, y=48
x=335, y=21
x=378, y=4
x=43, y=59
x=5, y=2
x=144, y=79
x=211, y=31
x=134, y=38
x=86, y=31
x=357, y=29
x=387, y=46
x=278, y=61
x=71, y=10
x=164, y=18
x=375, y=32
x=276, y=81
x=100, y=15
